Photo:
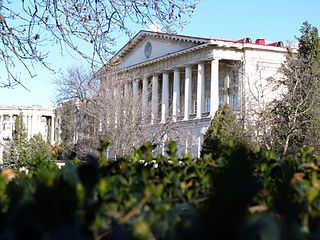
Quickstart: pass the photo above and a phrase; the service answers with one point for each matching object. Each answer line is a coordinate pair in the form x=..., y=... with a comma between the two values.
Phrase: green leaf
x=312, y=194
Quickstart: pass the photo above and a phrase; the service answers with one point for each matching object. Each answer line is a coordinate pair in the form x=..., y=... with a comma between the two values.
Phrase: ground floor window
x=221, y=100
x=234, y=101
x=207, y=107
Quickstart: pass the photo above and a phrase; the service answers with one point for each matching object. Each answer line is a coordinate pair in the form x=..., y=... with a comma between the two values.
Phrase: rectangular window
x=195, y=107
x=207, y=109
x=221, y=79
x=234, y=101
x=234, y=77
x=194, y=85
x=207, y=86
x=221, y=100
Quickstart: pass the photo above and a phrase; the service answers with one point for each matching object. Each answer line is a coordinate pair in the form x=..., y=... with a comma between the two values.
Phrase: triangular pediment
x=147, y=46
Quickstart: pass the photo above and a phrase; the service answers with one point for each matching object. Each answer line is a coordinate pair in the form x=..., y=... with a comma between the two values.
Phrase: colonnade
x=32, y=124
x=176, y=105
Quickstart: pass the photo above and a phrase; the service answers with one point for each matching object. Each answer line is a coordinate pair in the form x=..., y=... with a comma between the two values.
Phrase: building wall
x=261, y=72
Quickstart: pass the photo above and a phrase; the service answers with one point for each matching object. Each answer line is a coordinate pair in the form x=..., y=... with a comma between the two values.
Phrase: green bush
x=224, y=130
x=131, y=197
x=147, y=197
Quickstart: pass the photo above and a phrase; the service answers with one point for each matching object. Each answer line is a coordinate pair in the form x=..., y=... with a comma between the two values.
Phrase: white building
x=36, y=118
x=184, y=79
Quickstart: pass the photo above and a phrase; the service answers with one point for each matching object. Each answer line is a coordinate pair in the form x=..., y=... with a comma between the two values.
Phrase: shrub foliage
x=241, y=195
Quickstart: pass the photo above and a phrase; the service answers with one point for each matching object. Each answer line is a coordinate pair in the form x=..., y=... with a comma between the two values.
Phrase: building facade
x=37, y=119
x=184, y=79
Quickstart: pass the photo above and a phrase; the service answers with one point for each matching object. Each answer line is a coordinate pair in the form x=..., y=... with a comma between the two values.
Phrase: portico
x=182, y=80
x=186, y=92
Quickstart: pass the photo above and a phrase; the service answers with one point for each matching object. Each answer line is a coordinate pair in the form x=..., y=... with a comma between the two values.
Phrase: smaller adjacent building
x=36, y=118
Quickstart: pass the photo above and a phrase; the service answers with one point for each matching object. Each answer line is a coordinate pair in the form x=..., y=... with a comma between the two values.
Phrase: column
x=135, y=88
x=214, y=87
x=200, y=93
x=27, y=126
x=1, y=123
x=125, y=102
x=126, y=91
x=176, y=94
x=10, y=126
x=25, y=122
x=154, y=98
x=115, y=108
x=187, y=92
x=52, y=130
x=30, y=125
x=227, y=85
x=135, y=91
x=164, y=96
x=144, y=96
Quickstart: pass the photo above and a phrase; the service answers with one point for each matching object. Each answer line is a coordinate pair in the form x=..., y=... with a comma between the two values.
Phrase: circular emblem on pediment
x=147, y=50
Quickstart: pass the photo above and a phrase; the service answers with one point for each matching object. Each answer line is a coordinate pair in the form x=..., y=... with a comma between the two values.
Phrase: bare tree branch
x=28, y=27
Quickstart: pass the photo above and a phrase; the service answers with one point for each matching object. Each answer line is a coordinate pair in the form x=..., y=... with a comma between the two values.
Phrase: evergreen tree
x=68, y=129
x=20, y=140
x=296, y=115
x=10, y=157
x=38, y=147
x=224, y=129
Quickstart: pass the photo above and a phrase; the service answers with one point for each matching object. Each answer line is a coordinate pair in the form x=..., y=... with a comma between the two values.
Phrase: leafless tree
x=94, y=106
x=28, y=27
x=296, y=115
x=258, y=90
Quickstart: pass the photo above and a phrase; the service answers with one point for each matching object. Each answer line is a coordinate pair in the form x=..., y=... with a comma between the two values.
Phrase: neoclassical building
x=36, y=118
x=184, y=79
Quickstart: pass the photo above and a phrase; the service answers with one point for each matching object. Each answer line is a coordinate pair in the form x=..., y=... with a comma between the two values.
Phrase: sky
x=273, y=20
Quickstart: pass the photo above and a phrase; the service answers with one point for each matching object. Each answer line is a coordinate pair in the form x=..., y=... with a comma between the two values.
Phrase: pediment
x=147, y=46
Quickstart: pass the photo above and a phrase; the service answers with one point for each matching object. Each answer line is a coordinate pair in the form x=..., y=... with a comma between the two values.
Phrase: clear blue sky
x=273, y=20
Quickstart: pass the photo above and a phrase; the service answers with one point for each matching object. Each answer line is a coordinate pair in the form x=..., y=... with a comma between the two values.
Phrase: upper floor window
x=234, y=77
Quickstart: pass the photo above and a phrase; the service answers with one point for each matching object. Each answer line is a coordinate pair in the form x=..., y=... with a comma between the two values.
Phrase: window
x=194, y=85
x=207, y=107
x=221, y=80
x=234, y=101
x=207, y=86
x=221, y=100
x=195, y=107
x=234, y=77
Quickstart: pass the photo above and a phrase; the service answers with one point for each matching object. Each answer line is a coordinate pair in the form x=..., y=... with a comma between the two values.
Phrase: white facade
x=36, y=118
x=189, y=77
